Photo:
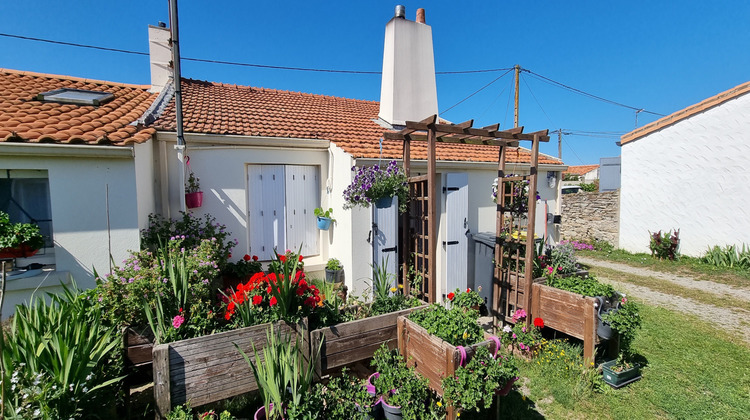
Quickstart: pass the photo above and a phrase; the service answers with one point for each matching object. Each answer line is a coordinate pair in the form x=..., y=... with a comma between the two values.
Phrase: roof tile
x=217, y=108
x=24, y=119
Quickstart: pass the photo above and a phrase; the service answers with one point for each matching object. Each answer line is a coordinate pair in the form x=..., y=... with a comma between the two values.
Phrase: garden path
x=720, y=316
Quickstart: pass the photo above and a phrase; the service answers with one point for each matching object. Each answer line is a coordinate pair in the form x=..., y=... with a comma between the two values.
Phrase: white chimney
x=160, y=55
x=408, y=91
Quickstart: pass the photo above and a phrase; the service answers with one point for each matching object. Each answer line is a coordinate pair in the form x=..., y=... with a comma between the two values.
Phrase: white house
x=72, y=161
x=266, y=158
x=689, y=171
x=582, y=173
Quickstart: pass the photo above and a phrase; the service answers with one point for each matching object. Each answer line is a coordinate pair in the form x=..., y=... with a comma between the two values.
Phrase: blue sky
x=661, y=56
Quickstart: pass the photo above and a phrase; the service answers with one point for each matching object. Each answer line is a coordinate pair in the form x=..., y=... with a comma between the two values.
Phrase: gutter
x=66, y=150
x=216, y=141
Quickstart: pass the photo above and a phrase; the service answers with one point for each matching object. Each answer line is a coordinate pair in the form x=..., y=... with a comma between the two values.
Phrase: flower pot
x=374, y=411
x=622, y=378
x=193, y=200
x=260, y=414
x=324, y=223
x=384, y=202
x=603, y=330
x=391, y=412
x=21, y=251
x=370, y=386
x=334, y=276
x=505, y=390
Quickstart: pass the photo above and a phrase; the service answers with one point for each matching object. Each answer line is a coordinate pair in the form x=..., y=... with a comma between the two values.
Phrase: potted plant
x=324, y=218
x=472, y=386
x=334, y=271
x=626, y=321
x=193, y=194
x=403, y=391
x=18, y=240
x=521, y=339
x=376, y=185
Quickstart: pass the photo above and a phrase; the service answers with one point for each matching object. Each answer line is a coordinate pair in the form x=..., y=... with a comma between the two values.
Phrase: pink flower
x=624, y=300
x=177, y=321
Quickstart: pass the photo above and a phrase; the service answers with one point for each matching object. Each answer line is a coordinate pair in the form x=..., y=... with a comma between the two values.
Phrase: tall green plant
x=382, y=281
x=166, y=319
x=58, y=353
x=283, y=375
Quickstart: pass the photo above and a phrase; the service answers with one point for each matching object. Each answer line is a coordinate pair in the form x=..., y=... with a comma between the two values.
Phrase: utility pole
x=559, y=143
x=518, y=75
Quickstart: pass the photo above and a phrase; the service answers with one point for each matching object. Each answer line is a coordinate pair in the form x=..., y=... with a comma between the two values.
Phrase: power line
x=477, y=91
x=234, y=63
x=589, y=95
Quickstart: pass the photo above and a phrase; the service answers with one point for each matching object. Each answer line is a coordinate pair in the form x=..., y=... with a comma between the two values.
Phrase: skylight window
x=76, y=96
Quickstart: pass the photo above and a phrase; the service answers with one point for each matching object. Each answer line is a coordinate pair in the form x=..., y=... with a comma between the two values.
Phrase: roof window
x=76, y=96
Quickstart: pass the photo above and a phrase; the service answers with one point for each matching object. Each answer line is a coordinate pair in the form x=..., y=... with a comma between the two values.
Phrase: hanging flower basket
x=324, y=223
x=194, y=199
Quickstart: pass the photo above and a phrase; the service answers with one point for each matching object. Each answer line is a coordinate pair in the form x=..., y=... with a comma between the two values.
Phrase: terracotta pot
x=21, y=251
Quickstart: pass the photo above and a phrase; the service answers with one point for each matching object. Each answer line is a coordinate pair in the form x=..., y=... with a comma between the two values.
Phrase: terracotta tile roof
x=217, y=108
x=25, y=119
x=580, y=169
x=686, y=113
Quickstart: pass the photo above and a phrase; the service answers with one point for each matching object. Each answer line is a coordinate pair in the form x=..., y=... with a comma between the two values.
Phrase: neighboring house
x=266, y=158
x=582, y=173
x=689, y=171
x=74, y=163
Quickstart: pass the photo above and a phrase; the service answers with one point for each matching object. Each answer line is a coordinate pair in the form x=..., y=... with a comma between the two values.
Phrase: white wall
x=78, y=195
x=691, y=176
x=220, y=164
x=145, y=182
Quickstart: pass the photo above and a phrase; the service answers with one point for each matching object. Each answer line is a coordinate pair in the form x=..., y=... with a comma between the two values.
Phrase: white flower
x=89, y=376
x=507, y=329
x=85, y=389
x=37, y=412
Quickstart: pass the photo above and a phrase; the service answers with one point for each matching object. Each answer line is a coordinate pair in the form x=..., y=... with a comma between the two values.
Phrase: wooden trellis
x=420, y=242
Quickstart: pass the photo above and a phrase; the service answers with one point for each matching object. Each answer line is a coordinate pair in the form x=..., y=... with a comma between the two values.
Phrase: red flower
x=227, y=316
x=468, y=290
x=255, y=258
x=272, y=302
x=300, y=291
x=246, y=257
x=538, y=322
x=300, y=258
x=310, y=301
x=230, y=255
x=282, y=258
x=257, y=300
x=231, y=306
x=451, y=295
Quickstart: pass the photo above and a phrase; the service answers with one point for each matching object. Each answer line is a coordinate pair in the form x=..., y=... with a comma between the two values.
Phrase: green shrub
x=586, y=286
x=59, y=359
x=473, y=386
x=563, y=257
x=729, y=256
x=592, y=187
x=665, y=246
x=455, y=325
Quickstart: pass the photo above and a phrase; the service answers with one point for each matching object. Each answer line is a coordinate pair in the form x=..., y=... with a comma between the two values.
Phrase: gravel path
x=721, y=317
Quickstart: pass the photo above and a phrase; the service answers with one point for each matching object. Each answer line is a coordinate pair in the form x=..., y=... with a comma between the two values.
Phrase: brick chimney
x=160, y=55
x=408, y=91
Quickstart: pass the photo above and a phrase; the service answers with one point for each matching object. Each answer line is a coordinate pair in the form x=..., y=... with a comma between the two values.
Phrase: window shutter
x=302, y=197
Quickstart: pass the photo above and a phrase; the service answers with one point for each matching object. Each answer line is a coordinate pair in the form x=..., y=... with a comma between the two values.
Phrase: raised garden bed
x=207, y=369
x=355, y=341
x=433, y=357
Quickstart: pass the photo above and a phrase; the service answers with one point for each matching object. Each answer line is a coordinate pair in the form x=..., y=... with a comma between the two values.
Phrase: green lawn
x=693, y=372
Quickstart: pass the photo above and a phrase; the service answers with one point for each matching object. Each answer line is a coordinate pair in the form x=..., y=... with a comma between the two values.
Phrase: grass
x=670, y=288
x=684, y=265
x=692, y=372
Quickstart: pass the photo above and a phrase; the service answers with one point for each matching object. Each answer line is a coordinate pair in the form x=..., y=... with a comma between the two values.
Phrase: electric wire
x=234, y=63
x=477, y=91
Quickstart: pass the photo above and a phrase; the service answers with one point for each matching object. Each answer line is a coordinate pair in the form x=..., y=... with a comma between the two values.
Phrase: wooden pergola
x=423, y=241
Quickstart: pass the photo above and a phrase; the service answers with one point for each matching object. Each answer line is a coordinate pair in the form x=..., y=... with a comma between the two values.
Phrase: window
x=280, y=209
x=76, y=96
x=24, y=195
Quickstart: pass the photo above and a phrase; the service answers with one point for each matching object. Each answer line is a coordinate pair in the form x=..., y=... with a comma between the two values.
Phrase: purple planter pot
x=370, y=386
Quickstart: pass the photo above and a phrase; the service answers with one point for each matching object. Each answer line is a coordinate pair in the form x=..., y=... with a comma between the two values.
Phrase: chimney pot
x=400, y=11
x=420, y=16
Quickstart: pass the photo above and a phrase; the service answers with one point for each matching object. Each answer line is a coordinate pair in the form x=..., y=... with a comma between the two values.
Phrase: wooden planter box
x=432, y=357
x=138, y=347
x=207, y=369
x=567, y=312
x=355, y=341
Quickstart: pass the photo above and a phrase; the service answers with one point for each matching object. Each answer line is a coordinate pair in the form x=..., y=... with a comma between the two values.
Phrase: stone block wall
x=594, y=215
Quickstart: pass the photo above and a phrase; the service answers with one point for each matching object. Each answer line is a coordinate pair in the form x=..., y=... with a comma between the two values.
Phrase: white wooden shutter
x=266, y=219
x=302, y=197
x=456, y=242
x=385, y=239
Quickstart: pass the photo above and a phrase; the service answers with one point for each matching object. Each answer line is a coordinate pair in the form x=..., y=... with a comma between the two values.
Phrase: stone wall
x=594, y=215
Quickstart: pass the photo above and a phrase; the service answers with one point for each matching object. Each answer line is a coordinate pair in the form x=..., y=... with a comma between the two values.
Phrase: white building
x=689, y=171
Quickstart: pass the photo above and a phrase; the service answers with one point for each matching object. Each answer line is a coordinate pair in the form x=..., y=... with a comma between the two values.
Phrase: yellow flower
x=393, y=290
x=466, y=335
x=400, y=286
x=439, y=404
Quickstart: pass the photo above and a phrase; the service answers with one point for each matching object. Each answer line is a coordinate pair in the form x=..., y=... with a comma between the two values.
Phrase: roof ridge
x=271, y=90
x=686, y=112
x=72, y=78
